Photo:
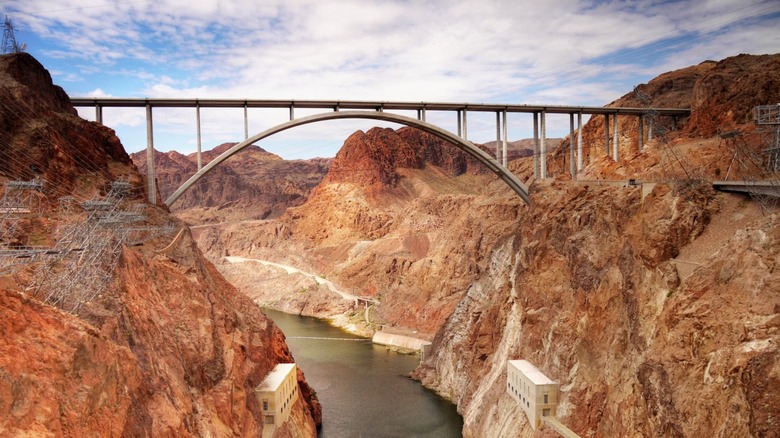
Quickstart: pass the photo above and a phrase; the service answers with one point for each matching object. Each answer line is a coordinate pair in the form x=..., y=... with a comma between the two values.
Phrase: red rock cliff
x=168, y=348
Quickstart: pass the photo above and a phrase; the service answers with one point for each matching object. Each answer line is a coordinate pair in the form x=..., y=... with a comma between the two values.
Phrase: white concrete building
x=277, y=394
x=535, y=392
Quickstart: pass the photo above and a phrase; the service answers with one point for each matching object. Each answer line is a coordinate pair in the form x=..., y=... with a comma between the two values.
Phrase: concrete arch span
x=511, y=180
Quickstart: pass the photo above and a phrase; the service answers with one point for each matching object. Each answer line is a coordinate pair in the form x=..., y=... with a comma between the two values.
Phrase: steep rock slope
x=592, y=287
x=400, y=216
x=722, y=96
x=253, y=184
x=168, y=348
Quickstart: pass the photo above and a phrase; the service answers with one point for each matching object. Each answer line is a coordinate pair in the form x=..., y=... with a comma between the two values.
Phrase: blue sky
x=500, y=51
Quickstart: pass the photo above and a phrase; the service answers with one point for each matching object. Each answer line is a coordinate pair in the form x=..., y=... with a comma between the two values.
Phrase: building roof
x=531, y=372
x=276, y=377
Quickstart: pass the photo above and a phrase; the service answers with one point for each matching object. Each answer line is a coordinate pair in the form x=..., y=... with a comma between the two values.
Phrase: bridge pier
x=498, y=135
x=536, y=145
x=641, y=133
x=465, y=126
x=246, y=122
x=197, y=123
x=151, y=184
x=615, y=138
x=649, y=129
x=543, y=146
x=506, y=133
x=572, y=169
x=579, y=141
x=98, y=113
x=606, y=134
x=460, y=127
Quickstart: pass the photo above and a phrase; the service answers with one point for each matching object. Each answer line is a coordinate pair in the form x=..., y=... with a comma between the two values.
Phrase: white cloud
x=569, y=51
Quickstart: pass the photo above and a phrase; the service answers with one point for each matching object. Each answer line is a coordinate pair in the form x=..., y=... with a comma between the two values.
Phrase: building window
x=545, y=412
x=265, y=405
x=545, y=399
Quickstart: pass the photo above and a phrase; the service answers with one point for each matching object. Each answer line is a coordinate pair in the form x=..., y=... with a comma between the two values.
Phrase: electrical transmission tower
x=9, y=39
x=83, y=261
x=767, y=117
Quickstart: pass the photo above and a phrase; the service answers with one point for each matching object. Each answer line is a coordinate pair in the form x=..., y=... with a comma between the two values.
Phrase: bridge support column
x=151, y=184
x=498, y=136
x=98, y=113
x=606, y=134
x=465, y=126
x=506, y=135
x=572, y=167
x=292, y=113
x=674, y=123
x=579, y=141
x=460, y=125
x=246, y=122
x=615, y=138
x=543, y=146
x=641, y=133
x=536, y=145
x=650, y=129
x=423, y=114
x=197, y=123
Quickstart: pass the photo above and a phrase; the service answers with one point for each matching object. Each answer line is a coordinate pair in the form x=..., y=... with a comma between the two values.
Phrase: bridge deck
x=769, y=187
x=368, y=105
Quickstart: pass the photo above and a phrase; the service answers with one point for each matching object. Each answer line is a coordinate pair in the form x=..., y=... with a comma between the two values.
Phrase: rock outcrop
x=253, y=184
x=168, y=347
x=658, y=316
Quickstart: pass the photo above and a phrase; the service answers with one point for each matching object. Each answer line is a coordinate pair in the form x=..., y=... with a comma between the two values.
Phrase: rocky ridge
x=168, y=348
x=253, y=184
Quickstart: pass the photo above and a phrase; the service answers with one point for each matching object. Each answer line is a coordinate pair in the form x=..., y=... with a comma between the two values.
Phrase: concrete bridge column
x=498, y=136
x=197, y=123
x=465, y=126
x=543, y=146
x=292, y=112
x=150, y=174
x=460, y=125
x=606, y=134
x=98, y=113
x=572, y=168
x=615, y=138
x=649, y=129
x=579, y=141
x=423, y=114
x=641, y=133
x=506, y=135
x=246, y=122
x=674, y=123
x=536, y=145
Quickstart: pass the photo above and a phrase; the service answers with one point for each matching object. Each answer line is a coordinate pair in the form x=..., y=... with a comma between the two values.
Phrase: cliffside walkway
x=559, y=427
x=381, y=110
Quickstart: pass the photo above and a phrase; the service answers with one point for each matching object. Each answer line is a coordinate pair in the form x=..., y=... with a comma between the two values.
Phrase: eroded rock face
x=576, y=292
x=253, y=184
x=168, y=348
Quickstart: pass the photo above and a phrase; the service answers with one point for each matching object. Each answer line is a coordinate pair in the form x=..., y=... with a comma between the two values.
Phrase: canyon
x=657, y=312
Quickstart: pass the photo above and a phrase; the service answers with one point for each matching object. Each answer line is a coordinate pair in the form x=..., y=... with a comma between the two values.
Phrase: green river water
x=363, y=387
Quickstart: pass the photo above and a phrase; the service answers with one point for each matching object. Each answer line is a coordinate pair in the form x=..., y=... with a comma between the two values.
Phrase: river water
x=362, y=386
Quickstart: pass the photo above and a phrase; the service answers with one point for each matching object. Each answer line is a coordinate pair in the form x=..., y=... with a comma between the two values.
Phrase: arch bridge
x=378, y=110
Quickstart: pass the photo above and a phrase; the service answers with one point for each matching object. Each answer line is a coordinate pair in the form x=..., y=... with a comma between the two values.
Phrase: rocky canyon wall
x=167, y=347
